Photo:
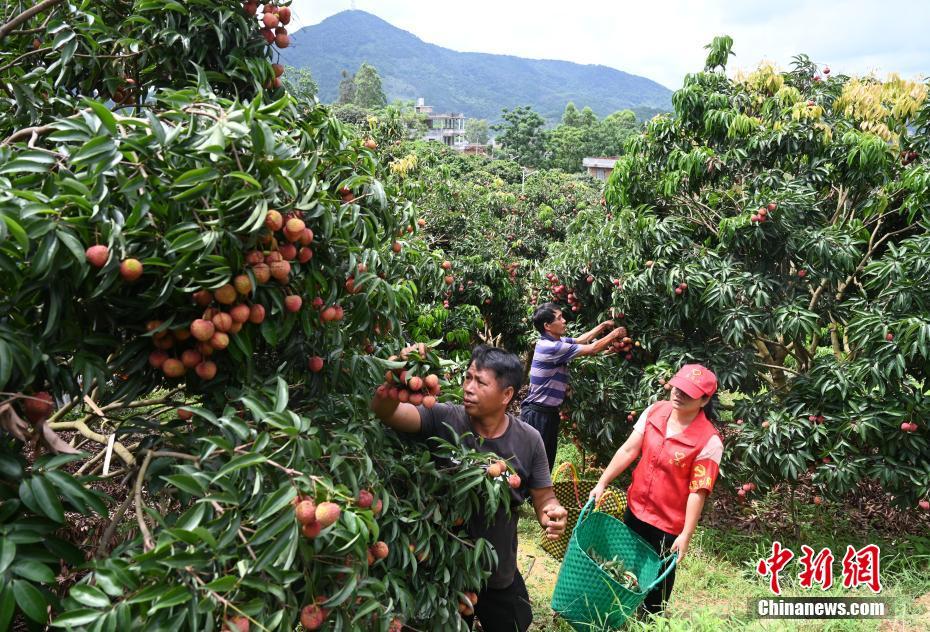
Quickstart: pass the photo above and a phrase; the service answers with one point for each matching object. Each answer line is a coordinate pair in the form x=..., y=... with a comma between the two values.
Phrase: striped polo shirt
x=549, y=371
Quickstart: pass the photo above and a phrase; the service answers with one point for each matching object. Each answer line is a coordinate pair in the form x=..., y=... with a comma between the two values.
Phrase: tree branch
x=25, y=15
x=147, y=543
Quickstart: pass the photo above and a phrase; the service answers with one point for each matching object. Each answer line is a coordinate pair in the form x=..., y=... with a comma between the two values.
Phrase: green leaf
x=76, y=618
x=240, y=462
x=89, y=596
x=46, y=498
x=223, y=584
x=34, y=571
x=174, y=597
x=7, y=553
x=105, y=115
x=7, y=605
x=30, y=600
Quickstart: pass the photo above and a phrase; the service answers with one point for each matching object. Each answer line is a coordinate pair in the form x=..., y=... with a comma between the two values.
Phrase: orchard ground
x=718, y=577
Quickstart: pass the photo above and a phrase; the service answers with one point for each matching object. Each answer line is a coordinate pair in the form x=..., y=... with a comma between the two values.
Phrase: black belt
x=539, y=407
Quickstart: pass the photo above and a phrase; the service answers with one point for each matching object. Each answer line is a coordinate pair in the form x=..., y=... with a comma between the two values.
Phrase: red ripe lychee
x=202, y=298
x=185, y=414
x=429, y=401
x=802, y=273
x=236, y=624
x=262, y=272
x=906, y=426
x=304, y=255
x=239, y=313
x=396, y=247
x=219, y=340
x=206, y=370
x=328, y=314
x=292, y=303
x=380, y=550
x=327, y=513
x=317, y=303
x=377, y=507
x=236, y=328
x=191, y=358
x=514, y=481
x=306, y=237
x=130, y=269
x=365, y=499
x=38, y=407
x=288, y=251
x=257, y=314
x=771, y=207
x=494, y=470
x=311, y=529
x=889, y=336
x=747, y=487
x=205, y=349
x=678, y=291
x=250, y=8
x=818, y=500
x=172, y=368
x=270, y=20
x=242, y=283
x=282, y=40
x=254, y=257
x=448, y=279
x=416, y=398
x=157, y=358
x=284, y=14
x=97, y=255
x=202, y=329
x=273, y=256
x=741, y=492
x=396, y=625
x=305, y=511
x=280, y=270
x=316, y=364
x=431, y=382
x=421, y=223
x=311, y=617
x=273, y=220
x=924, y=504
x=370, y=144
x=268, y=34
x=225, y=295
x=446, y=265
x=415, y=383
x=222, y=321
x=294, y=227
x=403, y=395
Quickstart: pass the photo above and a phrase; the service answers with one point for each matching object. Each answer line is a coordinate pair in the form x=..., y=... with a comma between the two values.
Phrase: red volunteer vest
x=667, y=471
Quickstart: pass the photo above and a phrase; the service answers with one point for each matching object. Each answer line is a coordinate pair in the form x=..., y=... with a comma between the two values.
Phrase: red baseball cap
x=695, y=380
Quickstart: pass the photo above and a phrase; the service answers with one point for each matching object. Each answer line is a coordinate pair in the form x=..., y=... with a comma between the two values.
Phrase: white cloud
x=663, y=39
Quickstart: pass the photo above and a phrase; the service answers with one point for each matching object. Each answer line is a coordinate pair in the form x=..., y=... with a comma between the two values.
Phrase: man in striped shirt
x=549, y=371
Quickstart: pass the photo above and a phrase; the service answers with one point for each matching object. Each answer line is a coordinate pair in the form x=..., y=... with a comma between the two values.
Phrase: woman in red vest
x=680, y=451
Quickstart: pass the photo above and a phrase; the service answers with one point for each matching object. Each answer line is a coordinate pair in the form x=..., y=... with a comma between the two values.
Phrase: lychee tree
x=775, y=227
x=182, y=356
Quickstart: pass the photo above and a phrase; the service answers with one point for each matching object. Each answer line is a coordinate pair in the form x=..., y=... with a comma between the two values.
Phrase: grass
x=717, y=579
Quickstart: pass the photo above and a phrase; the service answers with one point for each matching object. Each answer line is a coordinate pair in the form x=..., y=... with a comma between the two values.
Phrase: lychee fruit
x=327, y=513
x=311, y=529
x=172, y=368
x=38, y=407
x=202, y=329
x=239, y=313
x=130, y=269
x=273, y=220
x=157, y=358
x=206, y=370
x=242, y=283
x=365, y=499
x=190, y=358
x=222, y=321
x=292, y=303
x=97, y=255
x=316, y=364
x=305, y=512
x=380, y=550
x=311, y=617
x=219, y=340
x=225, y=295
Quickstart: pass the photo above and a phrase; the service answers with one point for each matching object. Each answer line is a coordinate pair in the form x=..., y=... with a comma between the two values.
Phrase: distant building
x=446, y=128
x=600, y=168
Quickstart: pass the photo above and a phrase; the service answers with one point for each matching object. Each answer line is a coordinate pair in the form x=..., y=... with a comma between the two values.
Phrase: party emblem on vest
x=679, y=459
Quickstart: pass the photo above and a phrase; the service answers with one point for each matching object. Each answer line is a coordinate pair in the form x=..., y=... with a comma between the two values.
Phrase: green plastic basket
x=587, y=597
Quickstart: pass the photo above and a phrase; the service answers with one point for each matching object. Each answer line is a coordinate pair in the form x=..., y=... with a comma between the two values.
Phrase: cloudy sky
x=663, y=39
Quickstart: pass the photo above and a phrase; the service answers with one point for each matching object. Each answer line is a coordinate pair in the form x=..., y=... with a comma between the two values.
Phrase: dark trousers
x=504, y=609
x=660, y=541
x=546, y=420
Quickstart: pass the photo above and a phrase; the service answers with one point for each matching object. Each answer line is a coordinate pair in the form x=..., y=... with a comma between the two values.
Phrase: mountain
x=477, y=84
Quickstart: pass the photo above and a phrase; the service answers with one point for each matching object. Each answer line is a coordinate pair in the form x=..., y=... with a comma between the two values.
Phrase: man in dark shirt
x=491, y=381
